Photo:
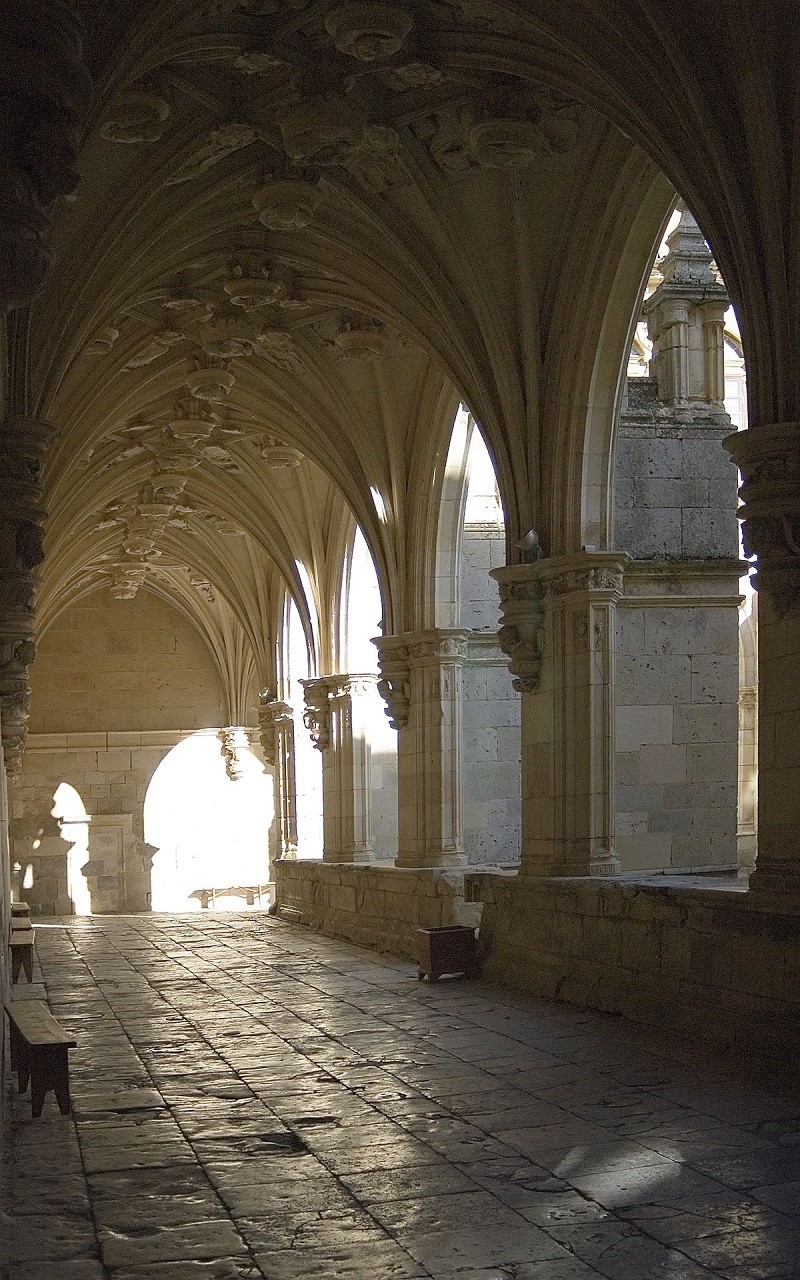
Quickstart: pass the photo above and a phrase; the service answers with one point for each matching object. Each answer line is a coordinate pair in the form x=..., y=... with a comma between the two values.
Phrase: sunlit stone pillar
x=276, y=725
x=768, y=458
x=337, y=716
x=421, y=683
x=558, y=633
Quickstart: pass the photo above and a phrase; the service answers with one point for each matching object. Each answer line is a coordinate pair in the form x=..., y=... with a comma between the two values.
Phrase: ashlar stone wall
x=490, y=755
x=676, y=667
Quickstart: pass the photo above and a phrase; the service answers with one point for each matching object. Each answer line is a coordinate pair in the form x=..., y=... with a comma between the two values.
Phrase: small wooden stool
x=21, y=945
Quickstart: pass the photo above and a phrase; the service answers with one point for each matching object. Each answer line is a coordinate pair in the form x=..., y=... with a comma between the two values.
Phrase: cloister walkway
x=252, y=1100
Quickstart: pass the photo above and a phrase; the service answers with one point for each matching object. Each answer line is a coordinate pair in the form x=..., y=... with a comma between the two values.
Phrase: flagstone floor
x=252, y=1100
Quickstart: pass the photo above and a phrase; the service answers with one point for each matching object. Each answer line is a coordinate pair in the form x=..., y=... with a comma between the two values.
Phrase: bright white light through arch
x=211, y=833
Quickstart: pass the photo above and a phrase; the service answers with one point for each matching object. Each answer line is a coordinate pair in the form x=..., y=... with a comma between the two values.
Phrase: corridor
x=253, y=1100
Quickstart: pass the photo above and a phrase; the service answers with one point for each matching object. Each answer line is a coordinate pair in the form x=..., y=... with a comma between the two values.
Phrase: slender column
x=768, y=458
x=422, y=685
x=351, y=761
x=276, y=725
x=558, y=632
x=337, y=717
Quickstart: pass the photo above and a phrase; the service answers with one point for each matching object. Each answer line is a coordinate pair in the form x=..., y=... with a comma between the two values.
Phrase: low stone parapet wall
x=374, y=905
x=714, y=964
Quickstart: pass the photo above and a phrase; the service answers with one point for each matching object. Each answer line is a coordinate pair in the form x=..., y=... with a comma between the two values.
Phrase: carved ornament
x=768, y=458
x=317, y=717
x=394, y=685
x=287, y=204
x=139, y=116
x=369, y=32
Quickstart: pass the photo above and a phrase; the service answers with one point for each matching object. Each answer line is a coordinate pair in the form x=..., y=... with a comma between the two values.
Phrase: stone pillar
x=276, y=726
x=558, y=633
x=23, y=442
x=768, y=458
x=337, y=716
x=421, y=683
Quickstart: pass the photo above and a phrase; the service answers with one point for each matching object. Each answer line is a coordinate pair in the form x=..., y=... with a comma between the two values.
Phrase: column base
x=433, y=858
x=776, y=886
x=604, y=862
x=349, y=856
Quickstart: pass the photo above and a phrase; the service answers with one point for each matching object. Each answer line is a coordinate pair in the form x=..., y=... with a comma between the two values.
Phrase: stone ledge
x=719, y=965
x=372, y=904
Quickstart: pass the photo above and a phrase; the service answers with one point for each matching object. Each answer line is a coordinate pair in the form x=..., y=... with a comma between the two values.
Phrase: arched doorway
x=209, y=829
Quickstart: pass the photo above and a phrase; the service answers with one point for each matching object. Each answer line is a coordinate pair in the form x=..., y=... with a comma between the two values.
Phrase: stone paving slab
x=255, y=1102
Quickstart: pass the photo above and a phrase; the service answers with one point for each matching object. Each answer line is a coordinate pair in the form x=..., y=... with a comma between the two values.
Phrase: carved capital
x=521, y=633
x=436, y=646
x=231, y=743
x=590, y=572
x=317, y=714
x=394, y=685
x=273, y=716
x=768, y=458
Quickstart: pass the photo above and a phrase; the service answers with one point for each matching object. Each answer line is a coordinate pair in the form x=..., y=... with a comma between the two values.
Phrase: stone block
x=662, y=763
x=706, y=723
x=649, y=533
x=709, y=532
x=651, y=852
x=715, y=678
x=653, y=680
x=637, y=726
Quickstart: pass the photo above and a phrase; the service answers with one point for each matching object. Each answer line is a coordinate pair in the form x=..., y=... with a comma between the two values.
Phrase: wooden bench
x=20, y=911
x=21, y=945
x=39, y=1048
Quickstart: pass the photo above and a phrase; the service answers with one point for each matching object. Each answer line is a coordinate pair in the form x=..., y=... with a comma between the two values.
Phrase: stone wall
x=483, y=547
x=713, y=964
x=126, y=665
x=491, y=754
x=677, y=643
x=374, y=906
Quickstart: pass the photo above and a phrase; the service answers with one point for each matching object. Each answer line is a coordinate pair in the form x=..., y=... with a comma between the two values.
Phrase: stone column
x=421, y=683
x=336, y=715
x=276, y=726
x=23, y=442
x=558, y=633
x=768, y=458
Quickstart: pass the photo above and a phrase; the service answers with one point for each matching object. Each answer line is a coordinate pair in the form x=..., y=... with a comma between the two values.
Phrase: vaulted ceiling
x=303, y=232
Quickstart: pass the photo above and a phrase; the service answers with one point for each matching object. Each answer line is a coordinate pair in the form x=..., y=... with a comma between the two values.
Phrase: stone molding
x=271, y=714
x=523, y=592
x=768, y=458
x=321, y=692
x=317, y=716
x=398, y=655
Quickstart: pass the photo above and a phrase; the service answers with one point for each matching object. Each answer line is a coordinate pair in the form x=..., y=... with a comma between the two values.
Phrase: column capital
x=317, y=715
x=351, y=684
x=394, y=684
x=437, y=644
x=768, y=458
x=596, y=573
x=521, y=632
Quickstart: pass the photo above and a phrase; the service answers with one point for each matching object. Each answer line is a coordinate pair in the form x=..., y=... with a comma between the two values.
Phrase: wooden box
x=449, y=949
